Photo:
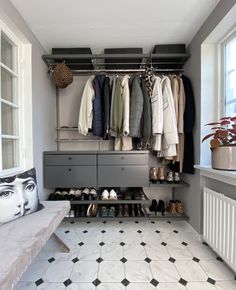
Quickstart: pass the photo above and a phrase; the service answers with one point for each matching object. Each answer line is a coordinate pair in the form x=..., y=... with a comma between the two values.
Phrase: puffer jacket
x=136, y=108
x=97, y=126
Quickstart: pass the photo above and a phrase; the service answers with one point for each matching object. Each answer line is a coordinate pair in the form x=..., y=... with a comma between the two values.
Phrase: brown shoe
x=179, y=207
x=161, y=176
x=171, y=208
x=126, y=210
x=153, y=174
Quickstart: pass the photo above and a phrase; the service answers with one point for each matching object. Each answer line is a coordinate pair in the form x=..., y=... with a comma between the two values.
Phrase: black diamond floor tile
x=143, y=244
x=81, y=244
x=122, y=244
x=101, y=244
x=75, y=260
x=39, y=282
x=211, y=281
x=183, y=282
x=154, y=282
x=163, y=244
x=67, y=232
x=152, y=222
x=172, y=260
x=204, y=243
x=67, y=282
x=96, y=282
x=120, y=222
x=139, y=231
x=85, y=231
x=121, y=231
x=99, y=260
x=136, y=222
x=104, y=222
x=51, y=260
x=219, y=259
x=88, y=222
x=123, y=260
x=103, y=231
x=148, y=260
x=125, y=282
x=185, y=244
x=176, y=232
x=169, y=222
x=72, y=222
x=196, y=259
x=158, y=232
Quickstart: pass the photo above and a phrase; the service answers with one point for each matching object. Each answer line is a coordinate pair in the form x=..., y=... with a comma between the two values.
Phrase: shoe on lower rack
x=125, y=210
x=111, y=211
x=120, y=211
x=103, y=211
x=161, y=206
x=171, y=208
x=179, y=207
x=153, y=206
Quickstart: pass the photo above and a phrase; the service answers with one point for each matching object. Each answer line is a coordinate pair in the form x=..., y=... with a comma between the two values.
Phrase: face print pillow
x=18, y=196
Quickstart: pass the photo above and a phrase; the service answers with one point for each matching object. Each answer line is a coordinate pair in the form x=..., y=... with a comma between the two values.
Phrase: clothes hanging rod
x=91, y=71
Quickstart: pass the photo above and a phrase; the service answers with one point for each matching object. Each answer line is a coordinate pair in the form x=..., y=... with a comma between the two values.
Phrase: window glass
x=230, y=77
x=10, y=153
x=9, y=119
x=6, y=51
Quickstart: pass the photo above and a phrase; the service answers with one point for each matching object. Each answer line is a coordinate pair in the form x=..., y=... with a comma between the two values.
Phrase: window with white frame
x=15, y=102
x=230, y=76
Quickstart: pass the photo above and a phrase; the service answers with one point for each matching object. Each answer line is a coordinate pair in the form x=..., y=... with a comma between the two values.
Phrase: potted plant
x=223, y=143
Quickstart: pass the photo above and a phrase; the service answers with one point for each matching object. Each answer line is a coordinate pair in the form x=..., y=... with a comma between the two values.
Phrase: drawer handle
x=122, y=169
x=122, y=157
x=69, y=158
x=69, y=169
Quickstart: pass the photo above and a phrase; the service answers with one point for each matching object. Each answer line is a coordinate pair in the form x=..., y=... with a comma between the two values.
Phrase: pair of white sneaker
x=106, y=195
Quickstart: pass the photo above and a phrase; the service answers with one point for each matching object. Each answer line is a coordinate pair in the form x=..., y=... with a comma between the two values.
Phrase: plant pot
x=224, y=157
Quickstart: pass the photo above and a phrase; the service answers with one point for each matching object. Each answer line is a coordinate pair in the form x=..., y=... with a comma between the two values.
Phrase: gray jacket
x=136, y=108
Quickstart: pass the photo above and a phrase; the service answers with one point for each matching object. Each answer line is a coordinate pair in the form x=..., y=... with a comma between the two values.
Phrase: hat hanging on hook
x=62, y=75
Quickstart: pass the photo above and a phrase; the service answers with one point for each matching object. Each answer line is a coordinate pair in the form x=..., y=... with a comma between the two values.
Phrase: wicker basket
x=62, y=76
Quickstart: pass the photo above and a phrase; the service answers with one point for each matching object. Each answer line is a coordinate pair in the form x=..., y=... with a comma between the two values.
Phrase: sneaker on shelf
x=85, y=194
x=88, y=214
x=111, y=211
x=179, y=207
x=113, y=195
x=77, y=194
x=93, y=193
x=103, y=211
x=176, y=177
x=105, y=195
x=170, y=177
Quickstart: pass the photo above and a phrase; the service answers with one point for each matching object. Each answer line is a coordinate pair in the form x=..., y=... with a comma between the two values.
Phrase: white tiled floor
x=129, y=255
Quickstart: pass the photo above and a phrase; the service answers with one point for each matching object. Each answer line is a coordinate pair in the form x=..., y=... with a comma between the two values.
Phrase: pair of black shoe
x=157, y=207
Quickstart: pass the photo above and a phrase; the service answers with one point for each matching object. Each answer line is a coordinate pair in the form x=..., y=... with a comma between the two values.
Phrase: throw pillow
x=18, y=196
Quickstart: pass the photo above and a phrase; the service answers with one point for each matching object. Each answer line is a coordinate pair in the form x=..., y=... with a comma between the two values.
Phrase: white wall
x=192, y=197
x=43, y=92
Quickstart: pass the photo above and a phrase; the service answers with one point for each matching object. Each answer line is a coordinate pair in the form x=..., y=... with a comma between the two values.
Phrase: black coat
x=189, y=121
x=146, y=129
x=97, y=124
x=106, y=106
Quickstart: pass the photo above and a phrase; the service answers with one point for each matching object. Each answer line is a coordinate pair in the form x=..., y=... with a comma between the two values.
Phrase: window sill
x=220, y=175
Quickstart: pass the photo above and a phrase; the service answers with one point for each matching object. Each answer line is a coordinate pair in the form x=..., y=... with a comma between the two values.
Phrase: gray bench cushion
x=22, y=239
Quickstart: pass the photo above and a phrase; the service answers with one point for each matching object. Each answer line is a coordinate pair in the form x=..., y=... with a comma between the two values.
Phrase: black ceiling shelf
x=89, y=62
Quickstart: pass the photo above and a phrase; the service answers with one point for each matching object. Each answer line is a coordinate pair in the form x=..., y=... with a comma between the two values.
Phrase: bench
x=22, y=239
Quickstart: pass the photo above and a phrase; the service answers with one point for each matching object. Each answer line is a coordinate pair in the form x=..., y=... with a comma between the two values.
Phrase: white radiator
x=219, y=225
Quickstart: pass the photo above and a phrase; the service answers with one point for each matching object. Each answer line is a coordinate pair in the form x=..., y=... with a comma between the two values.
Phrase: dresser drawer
x=70, y=159
x=123, y=159
x=123, y=176
x=70, y=176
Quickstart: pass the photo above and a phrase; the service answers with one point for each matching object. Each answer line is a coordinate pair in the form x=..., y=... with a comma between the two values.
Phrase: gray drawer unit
x=70, y=159
x=70, y=176
x=123, y=176
x=122, y=159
